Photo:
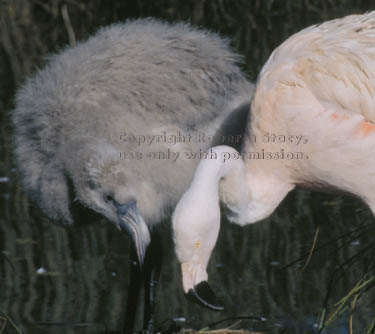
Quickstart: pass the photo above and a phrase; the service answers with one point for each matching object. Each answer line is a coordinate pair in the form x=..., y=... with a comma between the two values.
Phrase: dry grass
x=227, y=330
x=6, y=323
x=348, y=304
x=234, y=328
x=218, y=331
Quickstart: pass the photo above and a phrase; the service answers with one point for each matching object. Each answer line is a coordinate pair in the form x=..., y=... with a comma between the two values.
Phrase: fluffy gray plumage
x=142, y=77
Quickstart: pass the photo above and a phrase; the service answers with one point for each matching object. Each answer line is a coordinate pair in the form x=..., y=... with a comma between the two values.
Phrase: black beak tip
x=202, y=294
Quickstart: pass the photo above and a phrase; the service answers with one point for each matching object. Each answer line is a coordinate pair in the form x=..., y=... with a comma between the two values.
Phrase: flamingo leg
x=134, y=290
x=152, y=271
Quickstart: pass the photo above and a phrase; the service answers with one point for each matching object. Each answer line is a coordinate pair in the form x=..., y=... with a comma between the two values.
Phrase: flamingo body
x=320, y=84
x=311, y=123
x=98, y=127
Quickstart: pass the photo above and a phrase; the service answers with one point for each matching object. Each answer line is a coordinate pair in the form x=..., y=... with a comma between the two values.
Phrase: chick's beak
x=131, y=221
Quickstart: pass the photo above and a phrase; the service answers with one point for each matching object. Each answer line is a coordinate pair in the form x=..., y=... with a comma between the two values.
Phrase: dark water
x=56, y=280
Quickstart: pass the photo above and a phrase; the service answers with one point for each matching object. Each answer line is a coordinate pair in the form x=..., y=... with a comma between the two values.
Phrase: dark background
x=86, y=278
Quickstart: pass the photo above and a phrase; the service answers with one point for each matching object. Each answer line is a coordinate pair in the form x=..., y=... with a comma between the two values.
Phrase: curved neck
x=196, y=219
x=248, y=200
x=225, y=161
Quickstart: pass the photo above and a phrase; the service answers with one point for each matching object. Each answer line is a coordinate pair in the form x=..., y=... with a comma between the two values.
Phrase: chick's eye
x=108, y=198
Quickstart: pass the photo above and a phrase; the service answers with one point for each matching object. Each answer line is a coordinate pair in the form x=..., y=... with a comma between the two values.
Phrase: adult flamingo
x=312, y=123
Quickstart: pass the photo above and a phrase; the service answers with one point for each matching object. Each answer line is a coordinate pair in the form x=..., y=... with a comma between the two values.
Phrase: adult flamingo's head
x=196, y=219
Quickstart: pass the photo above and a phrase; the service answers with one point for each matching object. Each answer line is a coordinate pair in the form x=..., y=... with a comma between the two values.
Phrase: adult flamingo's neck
x=248, y=189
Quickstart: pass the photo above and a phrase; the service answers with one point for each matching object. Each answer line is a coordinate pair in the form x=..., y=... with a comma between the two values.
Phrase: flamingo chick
x=312, y=124
x=107, y=123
